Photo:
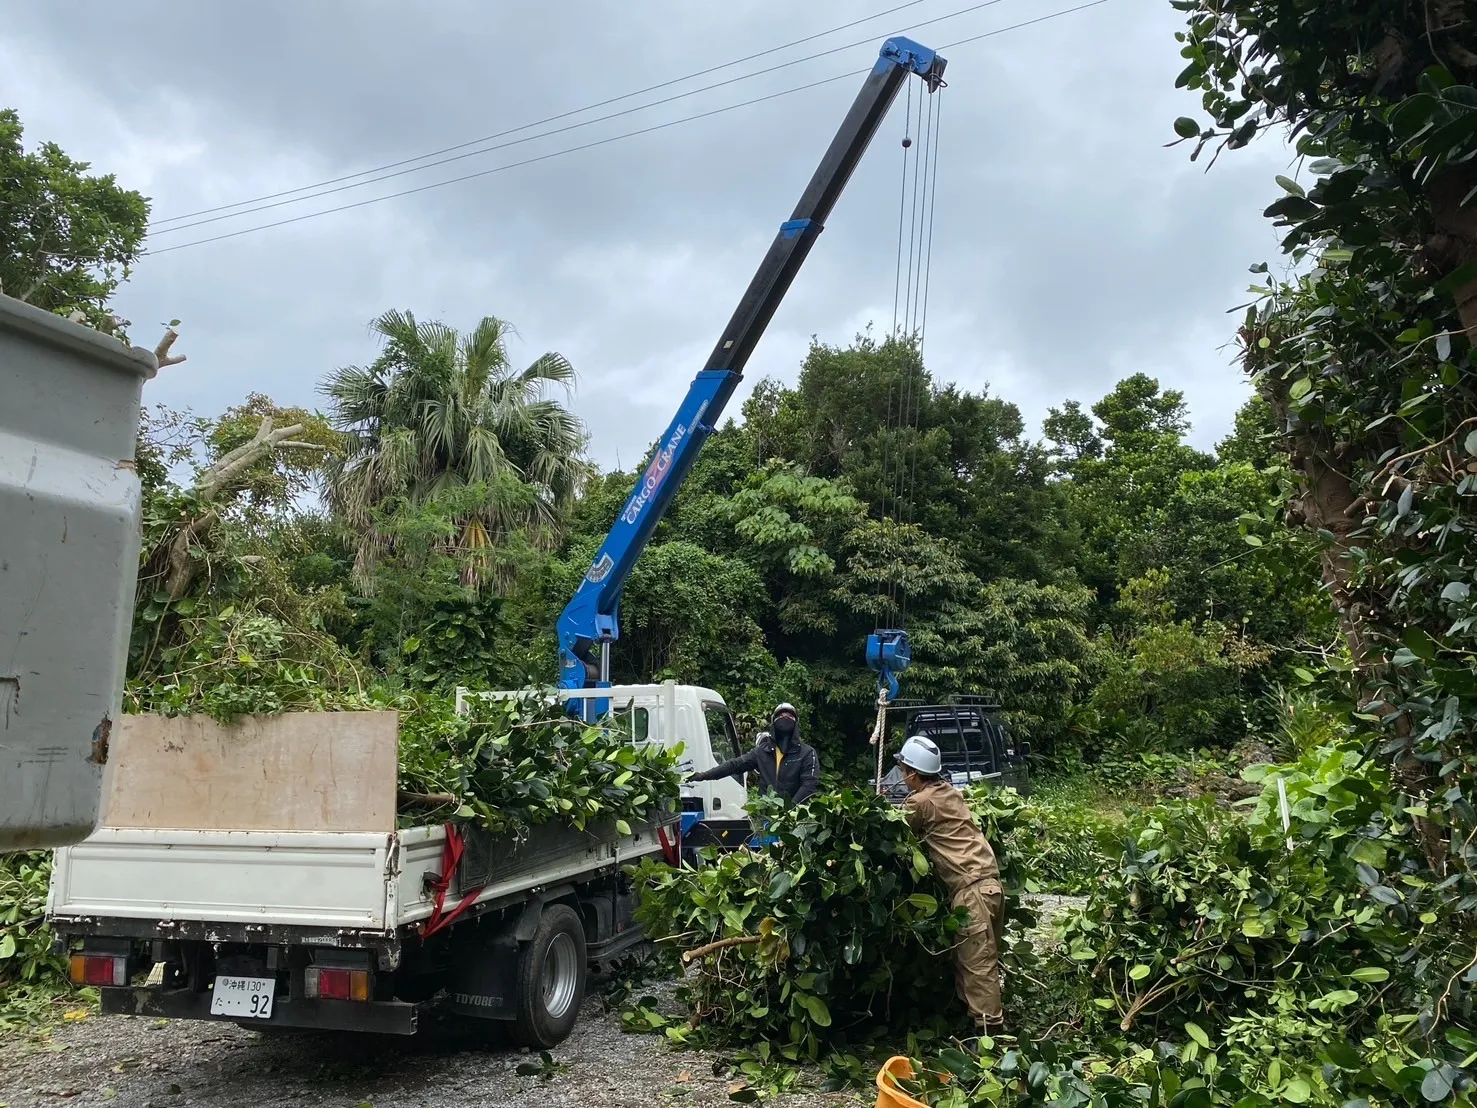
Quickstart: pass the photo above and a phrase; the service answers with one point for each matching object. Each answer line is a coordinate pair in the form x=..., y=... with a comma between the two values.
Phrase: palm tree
x=443, y=418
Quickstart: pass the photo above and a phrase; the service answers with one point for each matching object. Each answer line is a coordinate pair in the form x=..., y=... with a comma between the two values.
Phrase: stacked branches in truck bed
x=514, y=762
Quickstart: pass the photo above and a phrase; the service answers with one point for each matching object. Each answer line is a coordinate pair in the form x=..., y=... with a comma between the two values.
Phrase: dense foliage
x=837, y=931
x=517, y=762
x=1365, y=357
x=30, y=974
x=1229, y=959
x=67, y=239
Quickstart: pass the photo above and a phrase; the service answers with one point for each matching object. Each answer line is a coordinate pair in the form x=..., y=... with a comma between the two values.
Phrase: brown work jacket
x=955, y=844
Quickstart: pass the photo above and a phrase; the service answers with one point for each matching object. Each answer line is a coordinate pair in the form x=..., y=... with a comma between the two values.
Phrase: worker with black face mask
x=785, y=765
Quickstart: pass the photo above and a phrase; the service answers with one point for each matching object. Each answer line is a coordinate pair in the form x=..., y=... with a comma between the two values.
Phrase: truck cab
x=976, y=747
x=713, y=812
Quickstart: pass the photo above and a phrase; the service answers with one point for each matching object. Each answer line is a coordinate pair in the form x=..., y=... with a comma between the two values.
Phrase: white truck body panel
x=329, y=880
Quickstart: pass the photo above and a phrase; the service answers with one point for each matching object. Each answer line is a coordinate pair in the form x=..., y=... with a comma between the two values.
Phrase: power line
x=611, y=138
x=1027, y=23
x=566, y=114
x=558, y=130
x=510, y=165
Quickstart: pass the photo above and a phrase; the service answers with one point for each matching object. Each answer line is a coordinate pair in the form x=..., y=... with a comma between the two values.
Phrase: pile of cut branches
x=835, y=933
x=516, y=762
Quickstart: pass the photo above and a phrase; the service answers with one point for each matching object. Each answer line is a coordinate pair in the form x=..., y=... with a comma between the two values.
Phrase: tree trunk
x=1454, y=244
x=1328, y=502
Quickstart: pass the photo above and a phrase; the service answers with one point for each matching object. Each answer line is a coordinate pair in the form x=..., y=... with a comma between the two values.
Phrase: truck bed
x=324, y=888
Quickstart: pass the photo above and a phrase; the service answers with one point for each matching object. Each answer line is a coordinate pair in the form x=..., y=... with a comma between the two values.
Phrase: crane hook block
x=888, y=653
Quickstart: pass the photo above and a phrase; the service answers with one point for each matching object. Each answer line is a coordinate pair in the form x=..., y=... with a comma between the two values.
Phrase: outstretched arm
x=744, y=763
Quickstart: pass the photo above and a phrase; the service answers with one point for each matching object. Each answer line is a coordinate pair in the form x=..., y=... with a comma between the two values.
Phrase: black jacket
x=797, y=779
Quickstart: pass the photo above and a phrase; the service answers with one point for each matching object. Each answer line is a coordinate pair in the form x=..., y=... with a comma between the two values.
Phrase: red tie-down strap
x=671, y=848
x=451, y=854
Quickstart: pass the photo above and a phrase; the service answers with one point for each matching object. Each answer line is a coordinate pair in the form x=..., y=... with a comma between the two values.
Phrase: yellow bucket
x=888, y=1094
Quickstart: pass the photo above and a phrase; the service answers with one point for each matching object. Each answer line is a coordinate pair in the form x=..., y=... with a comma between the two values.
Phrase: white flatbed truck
x=255, y=874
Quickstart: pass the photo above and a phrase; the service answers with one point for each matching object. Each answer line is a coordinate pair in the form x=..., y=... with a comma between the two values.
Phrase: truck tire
x=551, y=979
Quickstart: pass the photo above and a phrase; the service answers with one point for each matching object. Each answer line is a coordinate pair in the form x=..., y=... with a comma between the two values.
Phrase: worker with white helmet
x=963, y=859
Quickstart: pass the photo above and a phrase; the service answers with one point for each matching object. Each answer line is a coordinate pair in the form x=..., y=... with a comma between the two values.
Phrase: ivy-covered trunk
x=1453, y=247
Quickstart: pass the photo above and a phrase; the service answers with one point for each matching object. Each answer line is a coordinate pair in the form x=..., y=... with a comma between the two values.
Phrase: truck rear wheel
x=551, y=979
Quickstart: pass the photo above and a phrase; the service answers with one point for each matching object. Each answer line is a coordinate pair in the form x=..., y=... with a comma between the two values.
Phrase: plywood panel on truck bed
x=301, y=771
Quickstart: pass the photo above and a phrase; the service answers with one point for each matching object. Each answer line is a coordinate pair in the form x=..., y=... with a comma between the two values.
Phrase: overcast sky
x=1070, y=248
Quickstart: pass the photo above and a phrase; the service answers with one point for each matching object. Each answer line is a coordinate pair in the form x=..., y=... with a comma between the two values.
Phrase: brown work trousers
x=977, y=950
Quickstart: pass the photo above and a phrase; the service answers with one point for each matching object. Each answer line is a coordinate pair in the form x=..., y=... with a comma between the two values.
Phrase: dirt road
x=136, y=1062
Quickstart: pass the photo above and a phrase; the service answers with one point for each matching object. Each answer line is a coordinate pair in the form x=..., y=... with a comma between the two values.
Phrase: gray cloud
x=1070, y=247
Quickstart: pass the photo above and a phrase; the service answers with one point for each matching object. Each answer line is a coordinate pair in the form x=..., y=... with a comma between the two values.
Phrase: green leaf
x=1252, y=540
x=1139, y=972
x=1297, y=1091
x=1371, y=974
x=1420, y=643
x=1253, y=928
x=1300, y=388
x=1290, y=186
x=1186, y=127
x=817, y=1009
x=623, y=827
x=7, y=946
x=1438, y=1083
x=1196, y=1032
x=924, y=903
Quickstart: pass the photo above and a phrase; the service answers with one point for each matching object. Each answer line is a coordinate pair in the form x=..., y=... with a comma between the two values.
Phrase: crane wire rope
x=911, y=284
x=925, y=269
x=599, y=142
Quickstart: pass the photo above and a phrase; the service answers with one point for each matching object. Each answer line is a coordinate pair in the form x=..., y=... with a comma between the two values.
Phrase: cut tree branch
x=689, y=956
x=220, y=475
x=161, y=352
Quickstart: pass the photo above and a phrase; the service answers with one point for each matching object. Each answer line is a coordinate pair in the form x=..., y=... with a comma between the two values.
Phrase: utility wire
x=607, y=140
x=511, y=165
x=547, y=119
x=261, y=205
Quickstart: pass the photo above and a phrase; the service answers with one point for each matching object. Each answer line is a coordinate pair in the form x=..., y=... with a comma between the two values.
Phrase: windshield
x=721, y=732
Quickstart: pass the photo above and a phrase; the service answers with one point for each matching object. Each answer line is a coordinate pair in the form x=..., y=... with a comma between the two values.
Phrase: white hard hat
x=921, y=754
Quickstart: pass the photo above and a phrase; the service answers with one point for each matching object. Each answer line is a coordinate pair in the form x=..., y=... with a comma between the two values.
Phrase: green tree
x=67, y=239
x=1366, y=361
x=953, y=462
x=440, y=411
x=1117, y=492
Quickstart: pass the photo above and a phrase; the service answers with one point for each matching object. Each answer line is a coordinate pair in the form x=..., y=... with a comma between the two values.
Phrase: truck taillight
x=98, y=969
x=331, y=983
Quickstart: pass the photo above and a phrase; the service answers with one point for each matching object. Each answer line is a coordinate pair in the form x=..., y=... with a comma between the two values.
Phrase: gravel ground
x=135, y=1062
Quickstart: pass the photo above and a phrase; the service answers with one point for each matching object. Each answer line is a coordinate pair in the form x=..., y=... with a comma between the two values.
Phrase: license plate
x=243, y=997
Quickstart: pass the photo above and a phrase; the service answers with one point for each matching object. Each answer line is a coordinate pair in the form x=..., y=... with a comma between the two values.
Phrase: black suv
x=975, y=746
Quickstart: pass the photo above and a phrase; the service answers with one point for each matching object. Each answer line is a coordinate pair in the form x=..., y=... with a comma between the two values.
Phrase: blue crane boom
x=590, y=622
